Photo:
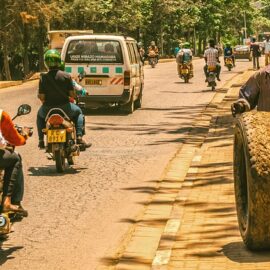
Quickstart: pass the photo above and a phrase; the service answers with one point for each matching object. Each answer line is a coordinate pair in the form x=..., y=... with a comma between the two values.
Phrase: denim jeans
x=72, y=110
x=11, y=163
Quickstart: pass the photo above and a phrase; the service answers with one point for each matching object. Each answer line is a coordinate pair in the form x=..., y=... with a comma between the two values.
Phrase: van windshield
x=94, y=51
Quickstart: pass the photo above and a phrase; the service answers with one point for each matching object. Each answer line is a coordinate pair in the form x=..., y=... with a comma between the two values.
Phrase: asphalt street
x=77, y=217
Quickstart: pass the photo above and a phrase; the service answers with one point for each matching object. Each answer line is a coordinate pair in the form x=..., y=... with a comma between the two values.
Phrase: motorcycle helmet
x=62, y=66
x=153, y=43
x=228, y=45
x=52, y=59
x=186, y=45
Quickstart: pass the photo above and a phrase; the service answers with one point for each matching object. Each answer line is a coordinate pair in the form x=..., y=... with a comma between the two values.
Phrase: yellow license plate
x=184, y=71
x=93, y=82
x=56, y=136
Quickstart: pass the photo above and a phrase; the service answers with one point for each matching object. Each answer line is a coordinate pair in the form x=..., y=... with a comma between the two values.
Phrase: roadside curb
x=149, y=243
x=5, y=84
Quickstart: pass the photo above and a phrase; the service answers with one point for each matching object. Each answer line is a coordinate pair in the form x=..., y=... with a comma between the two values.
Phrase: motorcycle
x=152, y=59
x=229, y=62
x=6, y=219
x=211, y=78
x=61, y=139
x=185, y=73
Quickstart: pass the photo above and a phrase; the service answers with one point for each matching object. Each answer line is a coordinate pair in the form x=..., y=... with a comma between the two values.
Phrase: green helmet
x=186, y=45
x=52, y=59
x=62, y=66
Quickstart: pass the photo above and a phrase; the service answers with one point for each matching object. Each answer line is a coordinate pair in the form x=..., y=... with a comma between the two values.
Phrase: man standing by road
x=267, y=50
x=256, y=53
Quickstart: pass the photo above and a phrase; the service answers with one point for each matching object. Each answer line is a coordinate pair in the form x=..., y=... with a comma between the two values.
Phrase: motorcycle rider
x=141, y=51
x=228, y=52
x=153, y=49
x=184, y=56
x=211, y=57
x=254, y=93
x=55, y=88
x=11, y=163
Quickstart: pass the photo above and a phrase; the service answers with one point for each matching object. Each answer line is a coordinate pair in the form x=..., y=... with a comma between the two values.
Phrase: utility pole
x=245, y=25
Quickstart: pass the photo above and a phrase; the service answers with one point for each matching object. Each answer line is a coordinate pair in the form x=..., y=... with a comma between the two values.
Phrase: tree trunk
x=6, y=61
x=41, y=49
x=200, y=45
x=25, y=49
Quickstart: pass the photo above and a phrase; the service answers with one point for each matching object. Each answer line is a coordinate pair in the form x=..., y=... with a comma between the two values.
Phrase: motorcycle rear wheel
x=59, y=161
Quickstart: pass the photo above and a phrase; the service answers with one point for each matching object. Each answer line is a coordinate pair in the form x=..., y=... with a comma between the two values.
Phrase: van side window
x=131, y=53
x=136, y=53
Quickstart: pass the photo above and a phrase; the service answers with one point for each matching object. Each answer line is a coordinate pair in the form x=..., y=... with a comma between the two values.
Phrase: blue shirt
x=228, y=52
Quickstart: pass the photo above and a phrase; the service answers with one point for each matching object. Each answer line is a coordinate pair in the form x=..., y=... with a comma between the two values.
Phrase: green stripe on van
x=68, y=69
x=105, y=70
x=119, y=70
x=80, y=70
x=93, y=70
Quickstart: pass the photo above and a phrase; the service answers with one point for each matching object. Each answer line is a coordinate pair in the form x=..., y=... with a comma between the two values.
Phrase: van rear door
x=100, y=61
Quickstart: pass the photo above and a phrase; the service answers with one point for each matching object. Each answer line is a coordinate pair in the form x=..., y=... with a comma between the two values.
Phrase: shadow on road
x=50, y=170
x=237, y=252
x=6, y=254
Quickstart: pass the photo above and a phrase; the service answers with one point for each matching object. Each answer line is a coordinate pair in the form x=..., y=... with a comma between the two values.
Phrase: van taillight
x=127, y=78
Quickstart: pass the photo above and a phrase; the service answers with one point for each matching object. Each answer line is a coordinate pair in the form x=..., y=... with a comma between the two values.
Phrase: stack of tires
x=252, y=178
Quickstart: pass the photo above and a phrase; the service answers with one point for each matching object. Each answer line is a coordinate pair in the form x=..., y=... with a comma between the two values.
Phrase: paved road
x=76, y=218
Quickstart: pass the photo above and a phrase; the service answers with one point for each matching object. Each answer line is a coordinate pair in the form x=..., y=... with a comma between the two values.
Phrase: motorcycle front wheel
x=59, y=160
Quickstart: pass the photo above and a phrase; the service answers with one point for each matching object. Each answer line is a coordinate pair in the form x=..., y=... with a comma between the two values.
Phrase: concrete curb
x=5, y=84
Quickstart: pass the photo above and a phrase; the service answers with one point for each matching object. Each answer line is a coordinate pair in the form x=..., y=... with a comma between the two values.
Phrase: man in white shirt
x=211, y=57
x=267, y=50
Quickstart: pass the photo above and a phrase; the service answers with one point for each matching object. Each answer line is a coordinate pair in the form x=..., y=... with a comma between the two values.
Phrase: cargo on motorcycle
x=184, y=63
x=11, y=172
x=59, y=119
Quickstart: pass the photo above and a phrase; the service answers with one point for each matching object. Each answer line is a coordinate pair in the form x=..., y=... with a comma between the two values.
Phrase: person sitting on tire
x=254, y=93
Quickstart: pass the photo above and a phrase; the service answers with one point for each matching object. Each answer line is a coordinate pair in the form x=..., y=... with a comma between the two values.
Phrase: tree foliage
x=24, y=24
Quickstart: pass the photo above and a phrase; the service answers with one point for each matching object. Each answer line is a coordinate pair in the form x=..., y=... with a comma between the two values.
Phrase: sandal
x=16, y=209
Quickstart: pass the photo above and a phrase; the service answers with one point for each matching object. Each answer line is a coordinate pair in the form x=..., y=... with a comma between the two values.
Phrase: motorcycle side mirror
x=24, y=109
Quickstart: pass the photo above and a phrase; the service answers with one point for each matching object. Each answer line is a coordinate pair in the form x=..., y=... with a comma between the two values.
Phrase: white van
x=109, y=67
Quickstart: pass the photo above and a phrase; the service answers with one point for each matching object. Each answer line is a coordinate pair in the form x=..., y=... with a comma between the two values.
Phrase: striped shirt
x=212, y=56
x=267, y=46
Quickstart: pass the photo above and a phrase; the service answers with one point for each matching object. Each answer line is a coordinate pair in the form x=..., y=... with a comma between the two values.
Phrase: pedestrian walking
x=267, y=50
x=256, y=53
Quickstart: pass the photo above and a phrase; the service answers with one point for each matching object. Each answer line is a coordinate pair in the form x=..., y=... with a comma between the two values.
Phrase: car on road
x=242, y=52
x=109, y=67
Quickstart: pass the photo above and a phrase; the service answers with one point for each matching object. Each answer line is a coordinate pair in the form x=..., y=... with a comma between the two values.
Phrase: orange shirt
x=9, y=132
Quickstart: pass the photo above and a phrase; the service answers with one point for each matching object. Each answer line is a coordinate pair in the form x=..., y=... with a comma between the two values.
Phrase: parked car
x=109, y=67
x=242, y=52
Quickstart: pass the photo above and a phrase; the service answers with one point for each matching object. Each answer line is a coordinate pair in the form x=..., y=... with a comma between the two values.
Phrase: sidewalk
x=190, y=222
x=209, y=237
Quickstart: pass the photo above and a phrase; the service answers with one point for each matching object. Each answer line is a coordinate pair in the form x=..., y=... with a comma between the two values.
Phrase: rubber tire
x=70, y=160
x=229, y=68
x=186, y=78
x=138, y=102
x=59, y=161
x=251, y=183
x=213, y=88
x=130, y=106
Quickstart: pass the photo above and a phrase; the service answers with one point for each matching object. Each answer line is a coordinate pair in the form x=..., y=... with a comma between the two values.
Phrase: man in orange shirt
x=11, y=163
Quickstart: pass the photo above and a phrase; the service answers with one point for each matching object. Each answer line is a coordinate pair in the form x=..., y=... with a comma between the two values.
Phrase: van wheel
x=251, y=179
x=129, y=107
x=138, y=102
